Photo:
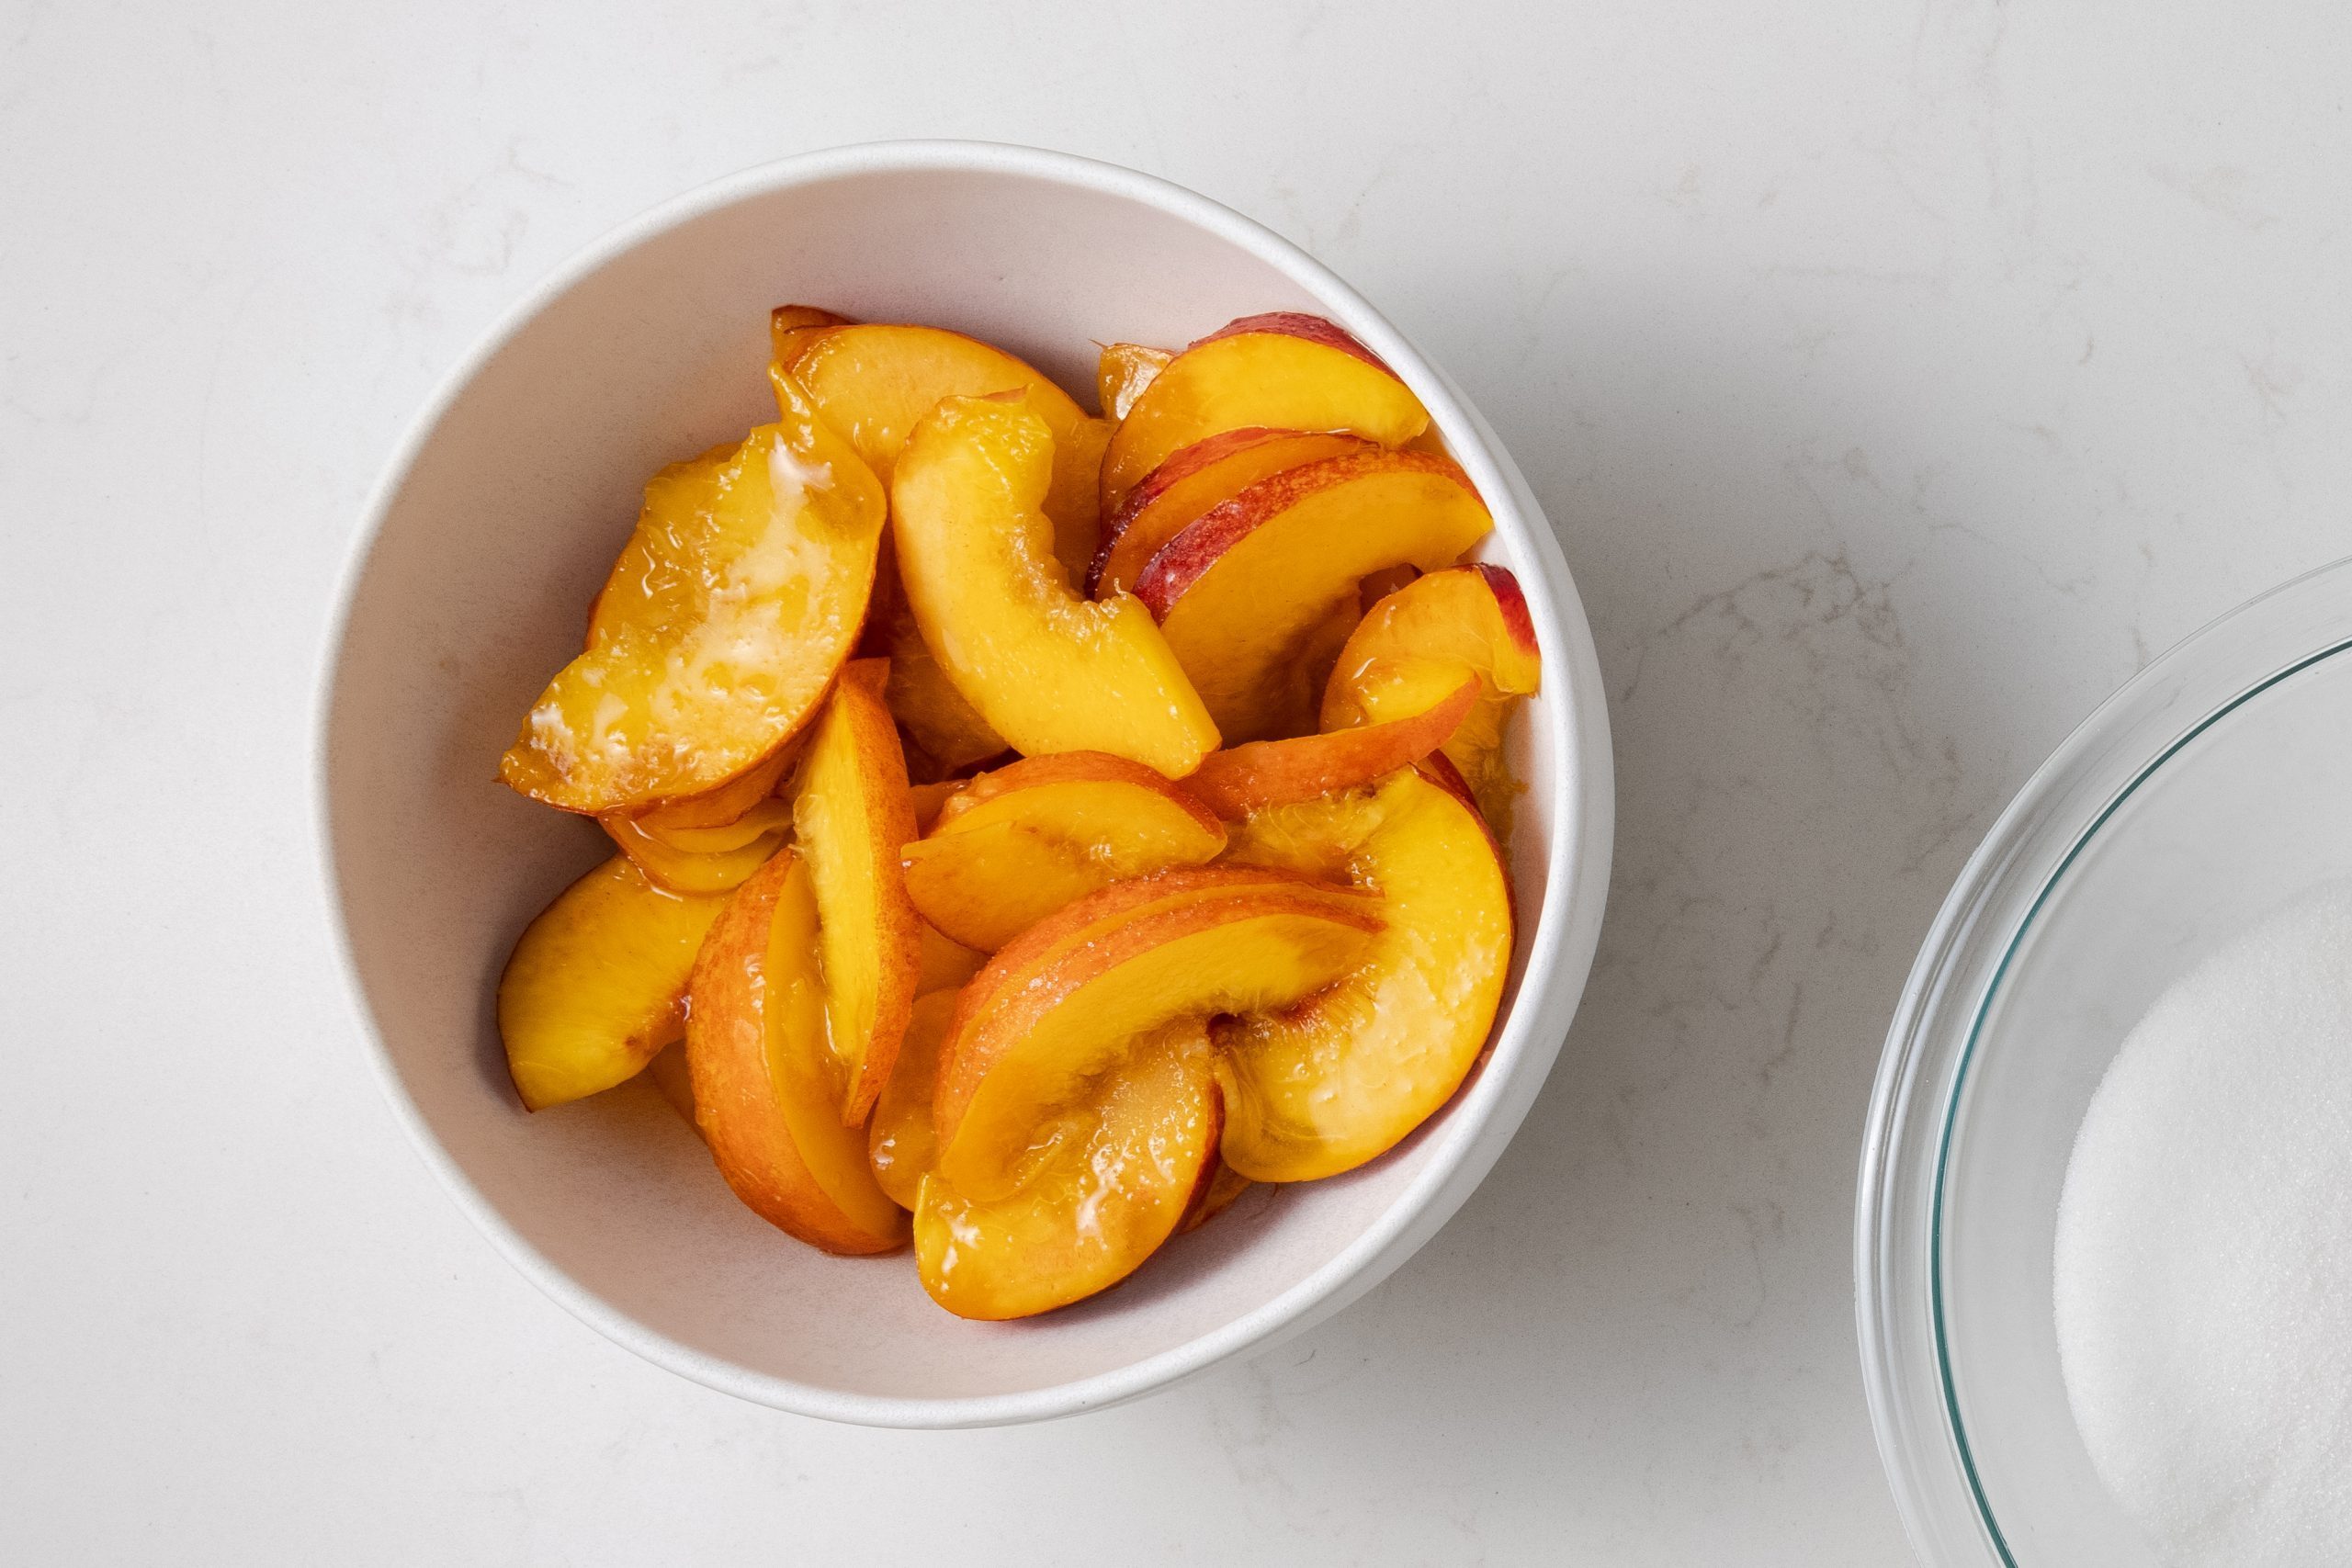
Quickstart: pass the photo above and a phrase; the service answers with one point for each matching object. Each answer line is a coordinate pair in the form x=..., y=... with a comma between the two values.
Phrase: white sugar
x=2204, y=1253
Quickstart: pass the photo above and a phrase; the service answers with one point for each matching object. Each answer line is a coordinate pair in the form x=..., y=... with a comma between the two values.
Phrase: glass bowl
x=2209, y=790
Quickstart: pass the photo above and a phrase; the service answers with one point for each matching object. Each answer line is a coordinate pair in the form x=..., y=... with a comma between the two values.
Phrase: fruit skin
x=1410, y=645
x=1243, y=779
x=874, y=382
x=1283, y=371
x=1031, y=1035
x=1214, y=1197
x=1048, y=671
x=722, y=622
x=1017, y=844
x=788, y=324
x=1242, y=593
x=768, y=1088
x=596, y=985
x=1343, y=1076
x=1116, y=1174
x=901, y=1145
x=1123, y=372
x=1193, y=480
x=851, y=810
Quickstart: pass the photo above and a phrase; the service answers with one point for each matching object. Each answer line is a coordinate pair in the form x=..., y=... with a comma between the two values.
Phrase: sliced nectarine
x=874, y=382
x=731, y=802
x=736, y=600
x=1123, y=372
x=1194, y=479
x=851, y=811
x=701, y=860
x=1283, y=371
x=1048, y=671
x=1030, y=1037
x=948, y=730
x=597, y=983
x=1215, y=1196
x=1242, y=593
x=1108, y=1179
x=1340, y=1078
x=899, y=1143
x=1244, y=779
x=946, y=965
x=1017, y=844
x=1412, y=645
x=768, y=1086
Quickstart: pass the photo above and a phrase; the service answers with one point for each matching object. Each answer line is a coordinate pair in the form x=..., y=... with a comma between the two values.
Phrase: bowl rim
x=1528, y=1038
x=1932, y=1039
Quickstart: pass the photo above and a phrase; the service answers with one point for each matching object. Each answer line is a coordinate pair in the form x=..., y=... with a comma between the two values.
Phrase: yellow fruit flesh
x=900, y=1144
x=1111, y=1176
x=1048, y=671
x=596, y=986
x=735, y=601
x=985, y=876
x=874, y=382
x=851, y=812
x=703, y=860
x=1341, y=1077
x=809, y=1077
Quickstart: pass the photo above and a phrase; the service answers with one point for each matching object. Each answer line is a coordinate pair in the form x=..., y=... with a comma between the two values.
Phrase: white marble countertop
x=1899, y=377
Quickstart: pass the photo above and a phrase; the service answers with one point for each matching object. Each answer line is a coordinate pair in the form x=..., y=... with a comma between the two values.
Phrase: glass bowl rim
x=1933, y=1038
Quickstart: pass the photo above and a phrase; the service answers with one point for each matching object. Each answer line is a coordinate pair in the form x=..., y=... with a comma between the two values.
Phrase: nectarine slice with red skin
x=899, y=1141
x=767, y=1086
x=876, y=381
x=1341, y=1077
x=1048, y=671
x=1243, y=591
x=1122, y=373
x=1110, y=1179
x=1280, y=371
x=1019, y=1048
x=1408, y=648
x=596, y=985
x=726, y=617
x=1199, y=477
x=851, y=812
x=1243, y=779
x=1017, y=844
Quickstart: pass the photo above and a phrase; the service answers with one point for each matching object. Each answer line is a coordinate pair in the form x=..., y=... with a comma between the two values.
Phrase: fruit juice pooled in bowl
x=1033, y=828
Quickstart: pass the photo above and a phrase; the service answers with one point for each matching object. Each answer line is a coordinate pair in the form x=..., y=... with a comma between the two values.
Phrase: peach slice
x=701, y=860
x=1214, y=1199
x=1048, y=671
x=1036, y=1029
x=1122, y=373
x=731, y=801
x=851, y=812
x=597, y=983
x=1242, y=593
x=1235, y=783
x=899, y=1143
x=1339, y=1078
x=1205, y=474
x=875, y=382
x=1414, y=642
x=949, y=731
x=736, y=600
x=1110, y=1177
x=670, y=1075
x=1283, y=371
x=1015, y=845
x=789, y=325
x=945, y=965
x=767, y=1086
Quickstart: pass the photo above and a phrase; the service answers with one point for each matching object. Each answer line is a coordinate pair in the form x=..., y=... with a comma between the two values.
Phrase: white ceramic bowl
x=491, y=529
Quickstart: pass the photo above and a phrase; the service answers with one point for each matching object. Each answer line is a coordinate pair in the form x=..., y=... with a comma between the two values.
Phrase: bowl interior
x=2245, y=815
x=488, y=548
